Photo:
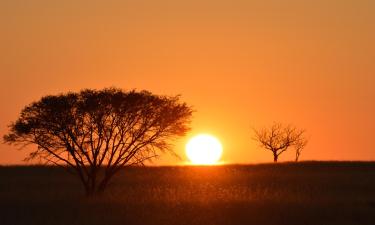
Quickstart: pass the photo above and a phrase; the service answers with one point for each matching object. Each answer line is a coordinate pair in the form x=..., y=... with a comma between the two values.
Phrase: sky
x=239, y=63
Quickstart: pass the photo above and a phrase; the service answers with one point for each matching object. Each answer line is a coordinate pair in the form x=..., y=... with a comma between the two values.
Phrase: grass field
x=319, y=193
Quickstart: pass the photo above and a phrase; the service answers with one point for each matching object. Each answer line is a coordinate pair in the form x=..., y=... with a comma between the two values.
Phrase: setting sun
x=204, y=150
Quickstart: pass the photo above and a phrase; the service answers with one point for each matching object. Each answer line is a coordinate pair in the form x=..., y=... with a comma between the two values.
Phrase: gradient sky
x=239, y=63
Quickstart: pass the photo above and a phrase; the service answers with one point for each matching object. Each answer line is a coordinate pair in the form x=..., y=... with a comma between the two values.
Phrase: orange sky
x=240, y=63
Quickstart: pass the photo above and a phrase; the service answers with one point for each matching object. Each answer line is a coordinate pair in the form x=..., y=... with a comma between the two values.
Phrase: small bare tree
x=278, y=138
x=97, y=133
x=299, y=146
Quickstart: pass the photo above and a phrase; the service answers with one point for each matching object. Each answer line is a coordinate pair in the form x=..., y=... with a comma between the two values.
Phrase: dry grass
x=304, y=193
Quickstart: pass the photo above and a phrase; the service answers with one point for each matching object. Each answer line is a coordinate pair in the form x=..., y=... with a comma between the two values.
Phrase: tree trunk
x=297, y=156
x=102, y=187
x=275, y=157
x=104, y=183
x=90, y=192
x=91, y=186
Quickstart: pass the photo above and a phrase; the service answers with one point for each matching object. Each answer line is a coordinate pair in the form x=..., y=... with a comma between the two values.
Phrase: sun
x=204, y=149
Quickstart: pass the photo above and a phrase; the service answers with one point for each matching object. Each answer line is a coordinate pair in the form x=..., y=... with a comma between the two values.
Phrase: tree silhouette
x=96, y=133
x=278, y=138
x=299, y=146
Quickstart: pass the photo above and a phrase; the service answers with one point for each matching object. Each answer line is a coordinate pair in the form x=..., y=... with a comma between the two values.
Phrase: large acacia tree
x=95, y=133
x=278, y=138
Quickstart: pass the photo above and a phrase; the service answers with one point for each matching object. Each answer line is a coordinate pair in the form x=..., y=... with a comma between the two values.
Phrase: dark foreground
x=319, y=193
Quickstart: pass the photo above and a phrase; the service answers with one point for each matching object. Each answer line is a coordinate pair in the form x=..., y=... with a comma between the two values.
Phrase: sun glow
x=204, y=149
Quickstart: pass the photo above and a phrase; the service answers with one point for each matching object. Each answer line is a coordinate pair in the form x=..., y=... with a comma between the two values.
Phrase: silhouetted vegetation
x=278, y=138
x=96, y=133
x=308, y=193
x=299, y=145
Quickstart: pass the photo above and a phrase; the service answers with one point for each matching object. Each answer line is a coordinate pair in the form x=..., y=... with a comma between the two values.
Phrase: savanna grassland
x=319, y=193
